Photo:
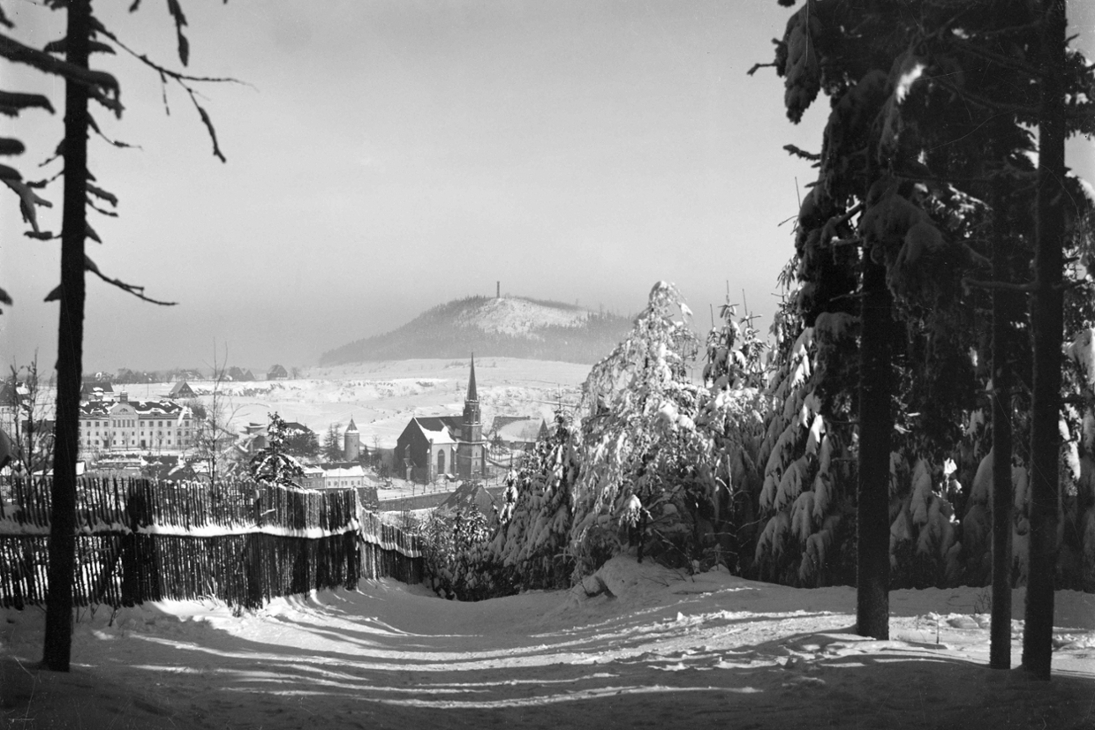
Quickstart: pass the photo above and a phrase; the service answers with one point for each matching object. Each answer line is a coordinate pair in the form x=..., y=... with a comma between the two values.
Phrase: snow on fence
x=240, y=542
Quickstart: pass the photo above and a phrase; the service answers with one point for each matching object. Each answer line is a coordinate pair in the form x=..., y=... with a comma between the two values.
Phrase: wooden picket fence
x=240, y=542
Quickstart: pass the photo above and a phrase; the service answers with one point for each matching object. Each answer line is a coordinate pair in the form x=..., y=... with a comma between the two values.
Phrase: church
x=434, y=446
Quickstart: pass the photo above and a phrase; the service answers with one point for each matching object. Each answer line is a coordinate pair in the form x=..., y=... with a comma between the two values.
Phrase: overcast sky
x=386, y=157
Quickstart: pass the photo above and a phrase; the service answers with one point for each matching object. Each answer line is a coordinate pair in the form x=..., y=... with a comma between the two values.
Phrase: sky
x=384, y=157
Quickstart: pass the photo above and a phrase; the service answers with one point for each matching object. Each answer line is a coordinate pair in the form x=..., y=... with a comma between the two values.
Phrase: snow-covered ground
x=382, y=396
x=664, y=650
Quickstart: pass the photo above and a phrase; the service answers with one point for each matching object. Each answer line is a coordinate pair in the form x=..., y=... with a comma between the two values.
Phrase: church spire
x=472, y=395
x=471, y=408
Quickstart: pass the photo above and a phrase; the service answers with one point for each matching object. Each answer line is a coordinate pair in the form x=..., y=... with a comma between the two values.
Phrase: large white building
x=125, y=425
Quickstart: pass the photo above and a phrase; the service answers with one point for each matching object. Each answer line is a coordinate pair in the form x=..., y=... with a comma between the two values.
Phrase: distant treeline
x=437, y=334
x=125, y=376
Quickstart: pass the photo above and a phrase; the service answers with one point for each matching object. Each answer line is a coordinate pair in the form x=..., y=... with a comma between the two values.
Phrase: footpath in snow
x=655, y=648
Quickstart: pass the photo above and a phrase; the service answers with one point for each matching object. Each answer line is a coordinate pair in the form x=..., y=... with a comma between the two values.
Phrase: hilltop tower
x=351, y=442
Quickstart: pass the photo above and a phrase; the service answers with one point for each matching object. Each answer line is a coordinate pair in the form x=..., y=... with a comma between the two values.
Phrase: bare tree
x=29, y=423
x=213, y=425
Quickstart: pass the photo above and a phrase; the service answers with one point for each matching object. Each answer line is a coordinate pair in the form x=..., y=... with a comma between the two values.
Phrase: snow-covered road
x=665, y=650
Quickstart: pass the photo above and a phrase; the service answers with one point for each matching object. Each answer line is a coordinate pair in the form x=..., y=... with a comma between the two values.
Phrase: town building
x=96, y=390
x=343, y=476
x=435, y=446
x=181, y=389
x=125, y=425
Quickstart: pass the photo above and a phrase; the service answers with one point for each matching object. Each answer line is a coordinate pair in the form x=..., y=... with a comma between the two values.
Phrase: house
x=277, y=373
x=312, y=476
x=235, y=373
x=433, y=446
x=468, y=496
x=8, y=449
x=96, y=390
x=12, y=391
x=181, y=389
x=253, y=439
x=343, y=476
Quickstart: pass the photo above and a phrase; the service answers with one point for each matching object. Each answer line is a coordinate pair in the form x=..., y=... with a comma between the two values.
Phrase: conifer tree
x=85, y=33
x=916, y=89
x=332, y=444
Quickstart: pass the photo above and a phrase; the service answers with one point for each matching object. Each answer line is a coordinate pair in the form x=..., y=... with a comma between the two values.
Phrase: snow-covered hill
x=499, y=327
x=520, y=317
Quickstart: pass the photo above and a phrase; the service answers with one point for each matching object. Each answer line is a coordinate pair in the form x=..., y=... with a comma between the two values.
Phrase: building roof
x=352, y=428
x=469, y=495
x=181, y=387
x=439, y=429
x=344, y=473
x=148, y=408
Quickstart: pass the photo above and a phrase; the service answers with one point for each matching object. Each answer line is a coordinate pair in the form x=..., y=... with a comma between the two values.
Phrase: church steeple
x=472, y=395
x=472, y=427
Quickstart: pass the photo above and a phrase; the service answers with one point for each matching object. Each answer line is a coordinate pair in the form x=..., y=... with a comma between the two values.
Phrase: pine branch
x=16, y=52
x=181, y=79
x=113, y=142
x=103, y=211
x=11, y=103
x=1029, y=112
x=1004, y=61
x=137, y=291
x=208, y=122
x=845, y=217
x=797, y=152
x=757, y=66
x=162, y=70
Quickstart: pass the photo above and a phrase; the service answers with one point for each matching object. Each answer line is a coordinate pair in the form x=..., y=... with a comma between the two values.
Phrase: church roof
x=352, y=428
x=439, y=429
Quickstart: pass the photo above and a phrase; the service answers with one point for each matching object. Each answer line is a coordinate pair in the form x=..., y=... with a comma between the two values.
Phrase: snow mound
x=519, y=317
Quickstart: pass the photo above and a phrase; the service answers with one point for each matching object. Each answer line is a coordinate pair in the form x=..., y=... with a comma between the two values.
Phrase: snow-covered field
x=665, y=650
x=382, y=396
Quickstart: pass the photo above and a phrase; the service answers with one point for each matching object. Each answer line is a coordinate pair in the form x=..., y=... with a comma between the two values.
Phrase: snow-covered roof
x=150, y=408
x=439, y=429
x=344, y=473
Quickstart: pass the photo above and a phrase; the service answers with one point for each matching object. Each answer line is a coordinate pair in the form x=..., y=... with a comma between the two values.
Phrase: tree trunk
x=1003, y=317
x=1047, y=325
x=70, y=337
x=875, y=429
